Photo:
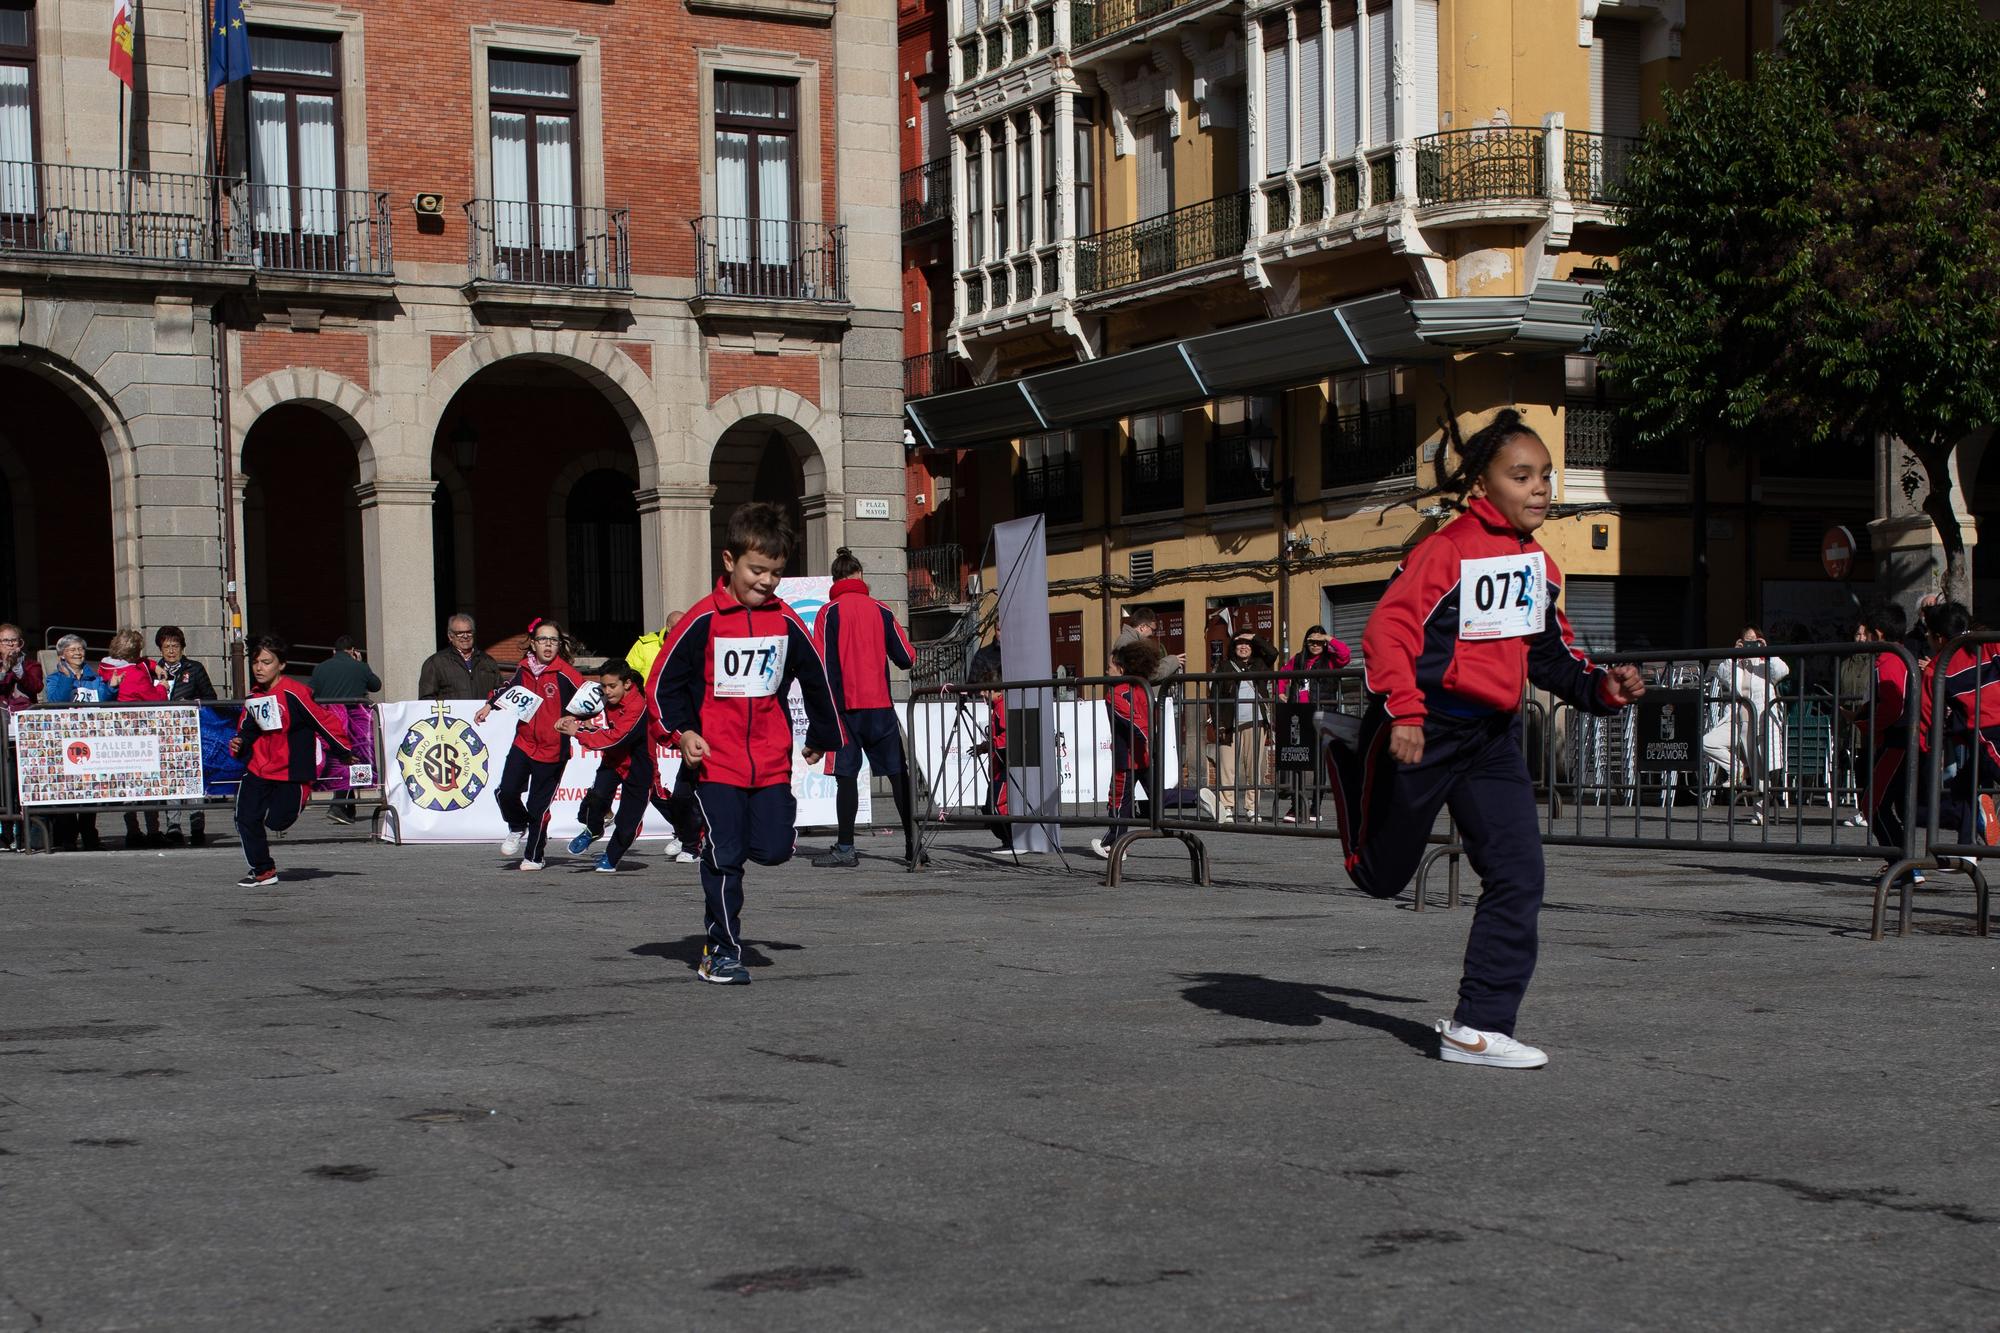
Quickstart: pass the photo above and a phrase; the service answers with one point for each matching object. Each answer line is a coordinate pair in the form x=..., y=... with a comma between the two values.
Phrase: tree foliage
x=1813, y=253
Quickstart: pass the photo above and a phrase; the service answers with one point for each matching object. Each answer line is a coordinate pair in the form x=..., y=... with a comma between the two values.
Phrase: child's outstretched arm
x=1558, y=666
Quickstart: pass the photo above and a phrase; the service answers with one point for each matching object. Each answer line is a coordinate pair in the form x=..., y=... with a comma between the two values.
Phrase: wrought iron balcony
x=1239, y=468
x=1360, y=448
x=172, y=218
x=1092, y=19
x=1185, y=238
x=1153, y=479
x=927, y=194
x=1594, y=164
x=1470, y=166
x=547, y=245
x=770, y=259
x=1598, y=435
x=1054, y=487
x=933, y=372
x=937, y=576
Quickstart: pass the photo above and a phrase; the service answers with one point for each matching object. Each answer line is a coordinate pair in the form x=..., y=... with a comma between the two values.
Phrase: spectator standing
x=1142, y=622
x=1242, y=720
x=185, y=681
x=344, y=678
x=1881, y=721
x=132, y=680
x=1321, y=652
x=858, y=638
x=461, y=670
x=1748, y=743
x=20, y=686
x=75, y=681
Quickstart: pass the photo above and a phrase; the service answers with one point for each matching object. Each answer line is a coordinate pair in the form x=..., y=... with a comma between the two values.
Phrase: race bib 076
x=521, y=702
x=265, y=713
x=749, y=668
x=1503, y=597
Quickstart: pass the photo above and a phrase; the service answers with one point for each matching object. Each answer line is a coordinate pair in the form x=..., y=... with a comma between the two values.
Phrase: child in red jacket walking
x=1467, y=622
x=537, y=693
x=722, y=682
x=1131, y=708
x=858, y=638
x=281, y=730
x=620, y=738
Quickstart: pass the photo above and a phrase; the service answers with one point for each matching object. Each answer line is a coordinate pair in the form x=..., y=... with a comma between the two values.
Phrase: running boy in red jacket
x=722, y=681
x=280, y=731
x=1131, y=709
x=537, y=693
x=1467, y=622
x=859, y=637
x=624, y=749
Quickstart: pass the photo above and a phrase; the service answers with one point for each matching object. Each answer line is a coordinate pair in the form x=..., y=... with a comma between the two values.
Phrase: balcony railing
x=1092, y=19
x=172, y=218
x=1185, y=238
x=1594, y=164
x=927, y=194
x=1598, y=436
x=547, y=245
x=937, y=576
x=1055, y=488
x=1153, y=479
x=1360, y=448
x=764, y=259
x=933, y=372
x=1469, y=166
x=1238, y=469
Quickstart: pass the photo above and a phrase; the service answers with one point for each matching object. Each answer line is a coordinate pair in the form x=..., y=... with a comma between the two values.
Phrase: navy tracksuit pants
x=538, y=780
x=261, y=805
x=631, y=793
x=742, y=824
x=1476, y=767
x=678, y=808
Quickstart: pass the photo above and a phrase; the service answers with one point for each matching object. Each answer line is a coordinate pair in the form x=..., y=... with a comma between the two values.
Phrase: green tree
x=1813, y=253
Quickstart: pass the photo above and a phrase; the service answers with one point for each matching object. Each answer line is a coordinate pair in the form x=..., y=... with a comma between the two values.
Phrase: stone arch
x=342, y=401
x=735, y=430
x=114, y=434
x=617, y=376
x=575, y=470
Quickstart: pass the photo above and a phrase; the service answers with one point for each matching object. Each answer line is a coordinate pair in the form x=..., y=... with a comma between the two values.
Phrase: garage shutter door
x=1625, y=614
x=1348, y=606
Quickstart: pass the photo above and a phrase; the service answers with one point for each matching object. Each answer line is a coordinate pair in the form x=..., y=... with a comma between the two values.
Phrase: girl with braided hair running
x=1466, y=624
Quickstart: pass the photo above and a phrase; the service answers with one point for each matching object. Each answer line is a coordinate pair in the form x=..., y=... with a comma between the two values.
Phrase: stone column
x=674, y=526
x=401, y=579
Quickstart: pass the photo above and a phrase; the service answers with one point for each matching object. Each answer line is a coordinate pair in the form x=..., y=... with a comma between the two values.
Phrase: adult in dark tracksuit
x=858, y=638
x=1467, y=622
x=623, y=744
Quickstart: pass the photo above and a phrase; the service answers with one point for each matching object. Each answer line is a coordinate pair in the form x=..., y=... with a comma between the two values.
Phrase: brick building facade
x=509, y=301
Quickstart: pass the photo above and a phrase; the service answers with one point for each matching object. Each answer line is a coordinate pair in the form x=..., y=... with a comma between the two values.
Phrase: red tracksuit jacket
x=726, y=673
x=132, y=681
x=1417, y=661
x=557, y=683
x=619, y=735
x=288, y=753
x=858, y=637
x=1971, y=692
x=1131, y=726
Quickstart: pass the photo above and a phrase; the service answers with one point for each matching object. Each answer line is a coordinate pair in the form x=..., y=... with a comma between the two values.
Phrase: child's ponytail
x=1476, y=454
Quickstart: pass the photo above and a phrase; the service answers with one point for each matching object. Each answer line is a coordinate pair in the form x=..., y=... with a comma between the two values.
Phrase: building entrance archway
x=768, y=459
x=58, y=549
x=302, y=543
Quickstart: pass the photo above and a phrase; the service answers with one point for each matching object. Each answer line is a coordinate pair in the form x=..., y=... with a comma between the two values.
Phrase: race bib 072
x=264, y=713
x=1503, y=597
x=521, y=702
x=749, y=668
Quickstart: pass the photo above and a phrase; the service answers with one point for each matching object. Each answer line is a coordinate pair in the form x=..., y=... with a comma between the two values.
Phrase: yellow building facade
x=1224, y=270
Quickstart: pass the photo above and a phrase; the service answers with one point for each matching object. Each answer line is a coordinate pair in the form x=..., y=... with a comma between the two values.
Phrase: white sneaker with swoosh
x=1469, y=1046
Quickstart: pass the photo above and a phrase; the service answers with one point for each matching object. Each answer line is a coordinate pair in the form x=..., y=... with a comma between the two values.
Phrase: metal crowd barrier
x=37, y=822
x=1743, y=757
x=1962, y=771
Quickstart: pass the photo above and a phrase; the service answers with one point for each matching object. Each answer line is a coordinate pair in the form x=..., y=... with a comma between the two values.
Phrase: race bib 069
x=749, y=668
x=1503, y=597
x=521, y=702
x=264, y=713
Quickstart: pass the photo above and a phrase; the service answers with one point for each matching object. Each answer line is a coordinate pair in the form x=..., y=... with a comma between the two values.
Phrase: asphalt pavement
x=412, y=1088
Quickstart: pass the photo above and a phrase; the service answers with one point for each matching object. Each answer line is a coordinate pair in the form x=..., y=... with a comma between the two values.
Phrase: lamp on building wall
x=1260, y=442
x=464, y=445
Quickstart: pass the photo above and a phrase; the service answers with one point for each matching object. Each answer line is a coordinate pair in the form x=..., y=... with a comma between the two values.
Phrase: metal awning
x=1384, y=329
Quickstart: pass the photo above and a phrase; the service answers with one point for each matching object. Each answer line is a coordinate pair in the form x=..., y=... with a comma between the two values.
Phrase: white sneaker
x=1469, y=1046
x=671, y=847
x=685, y=858
x=510, y=846
x=1100, y=849
x=531, y=865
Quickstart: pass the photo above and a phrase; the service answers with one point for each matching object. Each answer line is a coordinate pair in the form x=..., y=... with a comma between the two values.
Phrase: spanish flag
x=124, y=15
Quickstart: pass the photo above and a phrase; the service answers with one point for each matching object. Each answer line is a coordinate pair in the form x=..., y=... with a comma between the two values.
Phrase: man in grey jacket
x=1142, y=622
x=461, y=671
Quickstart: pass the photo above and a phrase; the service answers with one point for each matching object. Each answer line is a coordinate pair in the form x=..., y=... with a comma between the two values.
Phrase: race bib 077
x=1503, y=597
x=749, y=668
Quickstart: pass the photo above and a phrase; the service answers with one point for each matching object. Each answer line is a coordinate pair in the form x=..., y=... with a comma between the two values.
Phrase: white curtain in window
x=319, y=205
x=530, y=78
x=1346, y=90
x=17, y=143
x=1277, y=106
x=510, y=180
x=270, y=163
x=774, y=199
x=1312, y=97
x=290, y=55
x=1381, y=78
x=732, y=196
x=554, y=174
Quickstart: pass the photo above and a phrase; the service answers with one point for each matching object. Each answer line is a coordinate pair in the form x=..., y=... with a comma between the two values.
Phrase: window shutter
x=1348, y=606
x=1156, y=167
x=1312, y=96
x=1424, y=71
x=1346, y=89
x=1381, y=78
x=1614, y=78
x=1277, y=104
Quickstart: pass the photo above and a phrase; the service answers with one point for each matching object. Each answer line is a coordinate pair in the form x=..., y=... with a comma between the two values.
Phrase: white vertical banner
x=814, y=786
x=1034, y=776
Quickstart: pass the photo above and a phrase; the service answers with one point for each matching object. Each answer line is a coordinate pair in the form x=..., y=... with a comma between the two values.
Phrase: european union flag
x=228, y=44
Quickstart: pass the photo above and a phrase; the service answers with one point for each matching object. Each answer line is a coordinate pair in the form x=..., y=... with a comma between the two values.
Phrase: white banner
x=100, y=756
x=941, y=738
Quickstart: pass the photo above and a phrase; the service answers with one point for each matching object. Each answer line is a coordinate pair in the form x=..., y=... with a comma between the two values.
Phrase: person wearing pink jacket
x=1322, y=652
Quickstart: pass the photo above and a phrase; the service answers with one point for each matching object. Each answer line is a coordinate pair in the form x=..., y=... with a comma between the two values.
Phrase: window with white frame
x=294, y=133
x=17, y=109
x=1024, y=181
x=533, y=140
x=1277, y=98
x=1050, y=221
x=756, y=168
x=975, y=200
x=1001, y=180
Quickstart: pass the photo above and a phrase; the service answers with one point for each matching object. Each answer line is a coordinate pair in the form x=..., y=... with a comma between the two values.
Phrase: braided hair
x=1476, y=454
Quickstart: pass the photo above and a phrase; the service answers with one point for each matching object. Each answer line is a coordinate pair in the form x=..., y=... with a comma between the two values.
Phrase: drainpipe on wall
x=225, y=446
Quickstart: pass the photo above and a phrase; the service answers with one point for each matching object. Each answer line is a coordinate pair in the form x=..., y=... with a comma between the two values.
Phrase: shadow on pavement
x=688, y=950
x=1298, y=1004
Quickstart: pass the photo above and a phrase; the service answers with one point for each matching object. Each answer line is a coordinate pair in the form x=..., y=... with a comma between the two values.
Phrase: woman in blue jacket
x=75, y=681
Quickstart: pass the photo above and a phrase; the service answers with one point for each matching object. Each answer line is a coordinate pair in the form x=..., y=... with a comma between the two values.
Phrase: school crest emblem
x=442, y=763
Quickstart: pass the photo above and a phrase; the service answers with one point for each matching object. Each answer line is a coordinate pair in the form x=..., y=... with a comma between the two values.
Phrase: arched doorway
x=536, y=472
x=302, y=530
x=756, y=459
x=57, y=565
x=601, y=525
